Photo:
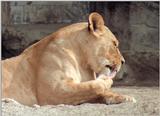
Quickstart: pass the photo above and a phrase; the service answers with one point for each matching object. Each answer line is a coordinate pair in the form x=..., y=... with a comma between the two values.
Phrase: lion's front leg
x=78, y=93
x=71, y=92
x=110, y=97
x=95, y=91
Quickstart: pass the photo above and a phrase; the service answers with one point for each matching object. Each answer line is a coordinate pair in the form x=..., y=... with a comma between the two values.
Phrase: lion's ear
x=96, y=24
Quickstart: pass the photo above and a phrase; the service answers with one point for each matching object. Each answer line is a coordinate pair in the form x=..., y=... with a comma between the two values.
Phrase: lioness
x=74, y=65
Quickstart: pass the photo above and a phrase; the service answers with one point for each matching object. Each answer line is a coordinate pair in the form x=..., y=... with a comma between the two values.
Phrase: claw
x=130, y=99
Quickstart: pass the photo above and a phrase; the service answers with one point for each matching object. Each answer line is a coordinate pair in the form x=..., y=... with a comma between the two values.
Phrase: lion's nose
x=122, y=61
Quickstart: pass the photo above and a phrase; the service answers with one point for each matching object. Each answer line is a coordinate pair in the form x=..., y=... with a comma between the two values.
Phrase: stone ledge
x=147, y=105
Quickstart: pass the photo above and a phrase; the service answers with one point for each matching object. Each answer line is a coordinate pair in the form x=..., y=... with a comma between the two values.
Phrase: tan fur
x=60, y=69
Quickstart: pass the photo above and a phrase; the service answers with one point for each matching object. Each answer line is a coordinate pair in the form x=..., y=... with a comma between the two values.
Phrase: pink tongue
x=112, y=75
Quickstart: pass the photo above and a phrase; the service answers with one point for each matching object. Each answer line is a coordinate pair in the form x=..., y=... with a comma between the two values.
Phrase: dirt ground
x=148, y=100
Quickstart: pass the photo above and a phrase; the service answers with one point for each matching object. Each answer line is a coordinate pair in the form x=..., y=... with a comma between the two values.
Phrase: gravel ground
x=148, y=100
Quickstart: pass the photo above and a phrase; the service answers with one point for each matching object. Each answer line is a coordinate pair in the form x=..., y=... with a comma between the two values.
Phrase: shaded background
x=135, y=24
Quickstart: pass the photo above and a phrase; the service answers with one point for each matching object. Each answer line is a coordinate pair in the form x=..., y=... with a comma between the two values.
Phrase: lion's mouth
x=108, y=71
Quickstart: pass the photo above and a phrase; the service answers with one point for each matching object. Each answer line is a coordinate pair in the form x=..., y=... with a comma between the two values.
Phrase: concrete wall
x=26, y=22
x=135, y=24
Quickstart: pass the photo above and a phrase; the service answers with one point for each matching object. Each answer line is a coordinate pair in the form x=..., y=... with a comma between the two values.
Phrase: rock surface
x=147, y=105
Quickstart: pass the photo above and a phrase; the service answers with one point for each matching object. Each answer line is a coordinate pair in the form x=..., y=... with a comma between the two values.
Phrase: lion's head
x=103, y=54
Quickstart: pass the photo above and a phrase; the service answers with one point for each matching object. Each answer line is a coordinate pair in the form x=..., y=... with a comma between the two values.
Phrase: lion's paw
x=119, y=99
x=129, y=99
x=106, y=81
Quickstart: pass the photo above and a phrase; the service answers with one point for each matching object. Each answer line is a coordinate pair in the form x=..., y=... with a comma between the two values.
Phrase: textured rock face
x=141, y=69
x=135, y=24
x=45, y=12
x=16, y=38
